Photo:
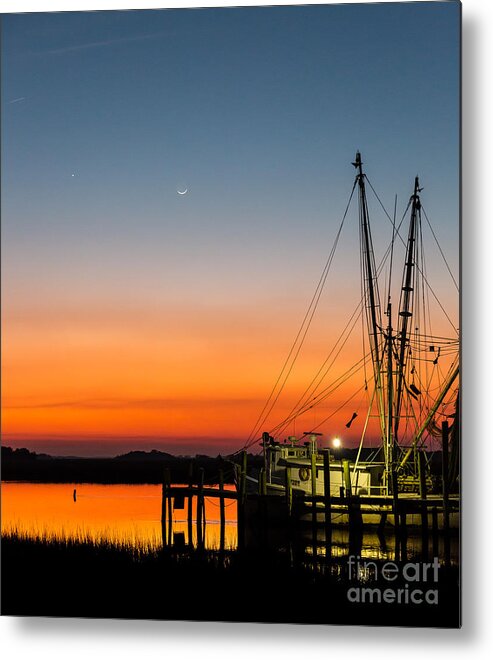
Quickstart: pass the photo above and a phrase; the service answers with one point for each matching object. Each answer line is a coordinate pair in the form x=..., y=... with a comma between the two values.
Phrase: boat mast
x=407, y=299
x=390, y=444
x=372, y=304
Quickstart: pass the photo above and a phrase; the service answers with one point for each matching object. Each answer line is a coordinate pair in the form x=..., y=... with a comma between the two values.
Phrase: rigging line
x=311, y=388
x=280, y=428
x=422, y=275
x=426, y=313
x=422, y=339
x=211, y=501
x=361, y=304
x=427, y=316
x=330, y=389
x=318, y=290
x=385, y=210
x=321, y=396
x=309, y=315
x=439, y=247
x=363, y=433
x=340, y=408
x=392, y=248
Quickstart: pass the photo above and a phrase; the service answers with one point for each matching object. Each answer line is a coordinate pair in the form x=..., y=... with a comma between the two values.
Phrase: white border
x=79, y=639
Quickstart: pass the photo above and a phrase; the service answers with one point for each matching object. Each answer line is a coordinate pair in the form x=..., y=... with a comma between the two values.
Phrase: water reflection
x=128, y=514
x=131, y=514
x=383, y=547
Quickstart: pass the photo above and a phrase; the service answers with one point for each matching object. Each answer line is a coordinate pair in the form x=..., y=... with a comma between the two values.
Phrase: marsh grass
x=104, y=578
x=135, y=547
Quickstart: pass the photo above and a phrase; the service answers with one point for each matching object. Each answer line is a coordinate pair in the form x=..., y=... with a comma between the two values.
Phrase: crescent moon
x=182, y=192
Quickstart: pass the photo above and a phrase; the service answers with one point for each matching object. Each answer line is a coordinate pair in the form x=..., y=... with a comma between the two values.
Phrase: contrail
x=102, y=44
x=21, y=98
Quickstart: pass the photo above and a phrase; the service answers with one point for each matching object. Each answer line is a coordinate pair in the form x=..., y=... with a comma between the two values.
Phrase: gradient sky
x=136, y=317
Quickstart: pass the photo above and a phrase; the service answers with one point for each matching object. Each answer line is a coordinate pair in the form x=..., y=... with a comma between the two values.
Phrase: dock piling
x=424, y=507
x=190, y=505
x=445, y=490
x=200, y=510
x=163, y=511
x=222, y=511
x=327, y=503
x=313, y=472
x=169, y=505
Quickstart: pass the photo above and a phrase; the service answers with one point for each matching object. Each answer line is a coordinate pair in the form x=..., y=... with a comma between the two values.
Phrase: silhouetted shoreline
x=133, y=468
x=136, y=467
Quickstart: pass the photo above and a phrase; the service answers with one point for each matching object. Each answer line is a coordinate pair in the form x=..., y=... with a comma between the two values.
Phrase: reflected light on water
x=126, y=514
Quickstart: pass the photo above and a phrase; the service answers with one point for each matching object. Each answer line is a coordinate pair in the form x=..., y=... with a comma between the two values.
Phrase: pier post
x=445, y=490
x=169, y=506
x=244, y=467
x=190, y=505
x=200, y=510
x=381, y=524
x=262, y=483
x=313, y=473
x=422, y=474
x=347, y=478
x=289, y=492
x=327, y=503
x=347, y=490
x=222, y=511
x=262, y=505
x=163, y=510
x=395, y=502
x=422, y=496
x=241, y=500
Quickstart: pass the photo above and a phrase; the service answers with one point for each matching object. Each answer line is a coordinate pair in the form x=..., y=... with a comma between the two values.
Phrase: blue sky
x=257, y=110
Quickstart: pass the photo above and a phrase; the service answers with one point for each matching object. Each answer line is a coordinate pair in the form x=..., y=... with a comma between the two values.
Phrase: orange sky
x=183, y=373
x=103, y=379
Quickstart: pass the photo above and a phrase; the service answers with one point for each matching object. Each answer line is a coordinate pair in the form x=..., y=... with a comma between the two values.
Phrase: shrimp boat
x=410, y=378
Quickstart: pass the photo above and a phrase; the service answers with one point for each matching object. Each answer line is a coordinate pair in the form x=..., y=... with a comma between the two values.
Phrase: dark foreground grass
x=97, y=579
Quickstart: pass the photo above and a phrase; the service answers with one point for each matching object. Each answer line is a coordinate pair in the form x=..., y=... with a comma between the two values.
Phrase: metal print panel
x=230, y=314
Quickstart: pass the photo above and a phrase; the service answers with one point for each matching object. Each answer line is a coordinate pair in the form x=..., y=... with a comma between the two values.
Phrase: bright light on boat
x=336, y=443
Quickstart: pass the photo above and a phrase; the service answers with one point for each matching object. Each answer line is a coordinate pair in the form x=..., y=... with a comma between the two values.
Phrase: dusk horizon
x=108, y=447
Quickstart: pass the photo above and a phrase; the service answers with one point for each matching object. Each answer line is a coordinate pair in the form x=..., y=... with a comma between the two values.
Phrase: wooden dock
x=294, y=512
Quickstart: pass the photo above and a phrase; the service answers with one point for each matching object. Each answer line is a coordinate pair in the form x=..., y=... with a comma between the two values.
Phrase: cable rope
x=404, y=243
x=306, y=321
x=330, y=389
x=439, y=247
x=334, y=412
x=359, y=305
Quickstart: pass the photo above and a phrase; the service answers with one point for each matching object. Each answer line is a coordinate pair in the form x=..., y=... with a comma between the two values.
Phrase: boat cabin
x=290, y=460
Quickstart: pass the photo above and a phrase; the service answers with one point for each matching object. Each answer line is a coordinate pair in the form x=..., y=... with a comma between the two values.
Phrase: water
x=131, y=514
x=128, y=514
